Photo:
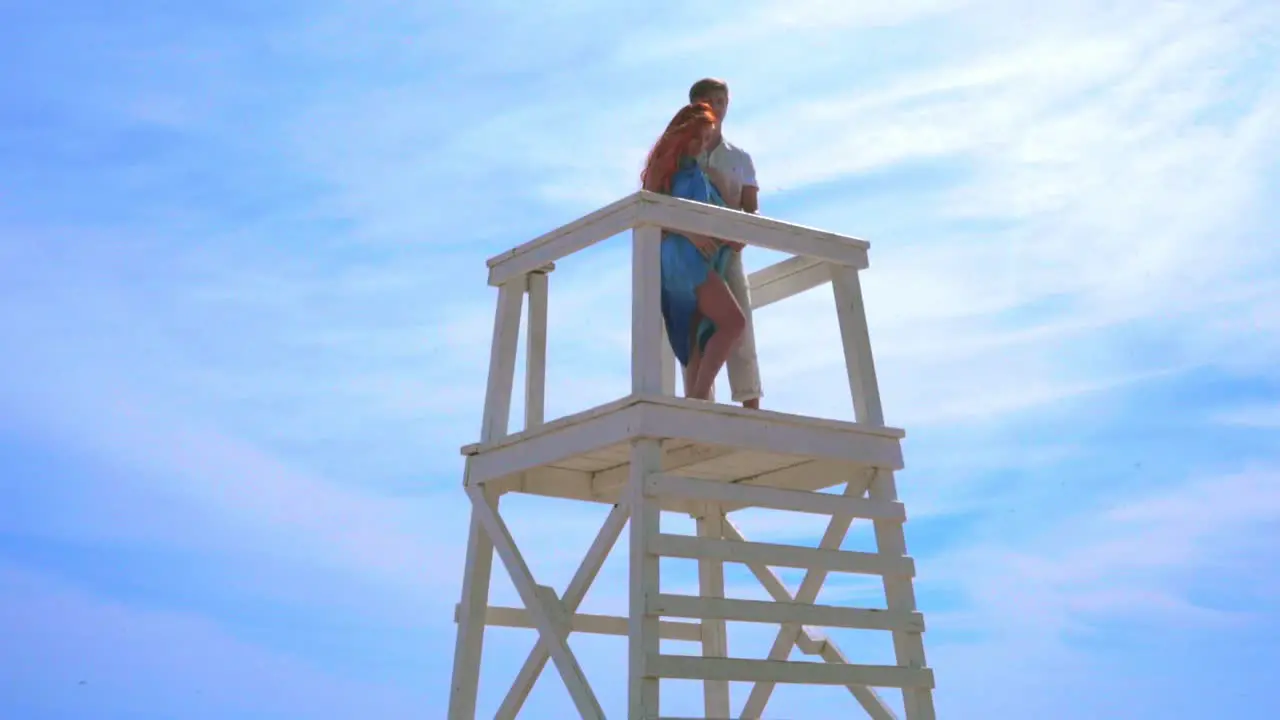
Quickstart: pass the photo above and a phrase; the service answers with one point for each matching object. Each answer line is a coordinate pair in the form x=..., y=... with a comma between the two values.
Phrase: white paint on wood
x=582, y=233
x=546, y=620
x=642, y=636
x=692, y=667
x=688, y=216
x=477, y=574
x=809, y=641
x=714, y=607
x=852, y=317
x=762, y=433
x=900, y=597
x=786, y=279
x=576, y=591
x=535, y=356
x=739, y=495
x=644, y=207
x=502, y=361
x=810, y=586
x=715, y=640
x=690, y=421
x=847, y=561
x=646, y=311
x=590, y=624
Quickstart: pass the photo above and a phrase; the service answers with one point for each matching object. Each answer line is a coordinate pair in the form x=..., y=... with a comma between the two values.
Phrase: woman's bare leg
x=695, y=357
x=717, y=303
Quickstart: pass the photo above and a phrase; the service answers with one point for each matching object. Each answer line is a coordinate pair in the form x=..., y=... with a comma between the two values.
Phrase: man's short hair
x=705, y=87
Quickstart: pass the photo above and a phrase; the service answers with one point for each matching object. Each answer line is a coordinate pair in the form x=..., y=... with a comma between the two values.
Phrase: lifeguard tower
x=651, y=452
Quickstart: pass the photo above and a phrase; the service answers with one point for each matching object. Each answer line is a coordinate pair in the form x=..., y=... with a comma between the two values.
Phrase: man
x=731, y=170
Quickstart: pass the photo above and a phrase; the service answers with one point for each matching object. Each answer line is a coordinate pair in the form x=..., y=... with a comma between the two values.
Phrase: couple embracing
x=705, y=300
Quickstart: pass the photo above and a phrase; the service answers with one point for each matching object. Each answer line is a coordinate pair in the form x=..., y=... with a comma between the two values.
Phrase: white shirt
x=735, y=164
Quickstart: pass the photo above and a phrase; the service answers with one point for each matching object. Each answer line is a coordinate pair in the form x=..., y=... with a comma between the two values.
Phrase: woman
x=702, y=317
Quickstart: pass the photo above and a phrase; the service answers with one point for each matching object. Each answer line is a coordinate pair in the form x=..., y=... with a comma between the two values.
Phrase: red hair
x=664, y=159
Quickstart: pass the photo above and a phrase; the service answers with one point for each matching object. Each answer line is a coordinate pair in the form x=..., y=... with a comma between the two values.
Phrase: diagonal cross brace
x=551, y=628
x=789, y=635
x=574, y=593
x=809, y=642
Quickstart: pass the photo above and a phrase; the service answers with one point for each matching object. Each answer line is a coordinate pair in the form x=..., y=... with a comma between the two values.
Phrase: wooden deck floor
x=585, y=456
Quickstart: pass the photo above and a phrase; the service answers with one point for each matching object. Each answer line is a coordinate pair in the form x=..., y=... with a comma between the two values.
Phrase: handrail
x=644, y=208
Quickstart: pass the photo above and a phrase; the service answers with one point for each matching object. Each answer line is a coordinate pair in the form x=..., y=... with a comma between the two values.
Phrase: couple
x=705, y=301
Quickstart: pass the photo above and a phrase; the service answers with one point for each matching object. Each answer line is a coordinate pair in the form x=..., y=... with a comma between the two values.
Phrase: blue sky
x=242, y=291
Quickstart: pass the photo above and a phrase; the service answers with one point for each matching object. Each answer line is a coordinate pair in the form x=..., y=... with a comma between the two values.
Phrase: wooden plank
x=545, y=619
x=586, y=574
x=775, y=417
x=468, y=648
x=584, y=232
x=761, y=433
x=502, y=361
x=681, y=455
x=590, y=624
x=694, y=548
x=789, y=634
x=710, y=409
x=692, y=667
x=900, y=596
x=852, y=317
x=806, y=476
x=763, y=611
x=715, y=639
x=810, y=642
x=535, y=367
x=688, y=216
x=646, y=311
x=642, y=635
x=774, y=498
x=555, y=444
x=786, y=279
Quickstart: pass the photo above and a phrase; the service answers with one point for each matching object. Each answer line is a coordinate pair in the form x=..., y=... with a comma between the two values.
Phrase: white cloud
x=1142, y=559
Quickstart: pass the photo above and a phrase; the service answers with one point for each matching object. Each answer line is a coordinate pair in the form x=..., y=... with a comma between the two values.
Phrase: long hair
x=664, y=159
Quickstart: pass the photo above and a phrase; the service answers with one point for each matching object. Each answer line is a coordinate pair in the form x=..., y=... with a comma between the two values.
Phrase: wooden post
x=890, y=539
x=478, y=572
x=646, y=311
x=535, y=373
x=642, y=626
x=715, y=643
x=857, y=346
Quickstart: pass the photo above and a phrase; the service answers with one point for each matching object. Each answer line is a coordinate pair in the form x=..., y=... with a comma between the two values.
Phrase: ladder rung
x=664, y=485
x=692, y=667
x=696, y=548
x=764, y=611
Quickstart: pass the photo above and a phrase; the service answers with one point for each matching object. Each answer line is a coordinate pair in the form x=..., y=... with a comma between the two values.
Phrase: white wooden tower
x=651, y=451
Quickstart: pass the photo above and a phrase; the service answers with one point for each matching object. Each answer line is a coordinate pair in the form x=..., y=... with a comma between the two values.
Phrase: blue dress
x=684, y=268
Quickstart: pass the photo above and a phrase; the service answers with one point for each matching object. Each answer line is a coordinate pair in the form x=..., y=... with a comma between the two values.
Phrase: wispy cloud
x=241, y=256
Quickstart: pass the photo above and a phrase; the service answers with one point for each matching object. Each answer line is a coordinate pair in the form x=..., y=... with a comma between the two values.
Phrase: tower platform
x=650, y=452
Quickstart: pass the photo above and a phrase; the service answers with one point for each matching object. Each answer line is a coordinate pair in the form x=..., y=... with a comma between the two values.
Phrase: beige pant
x=743, y=366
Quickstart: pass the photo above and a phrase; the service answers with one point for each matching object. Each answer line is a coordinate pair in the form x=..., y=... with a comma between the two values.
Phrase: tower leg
x=900, y=596
x=890, y=540
x=642, y=635
x=475, y=600
x=714, y=638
